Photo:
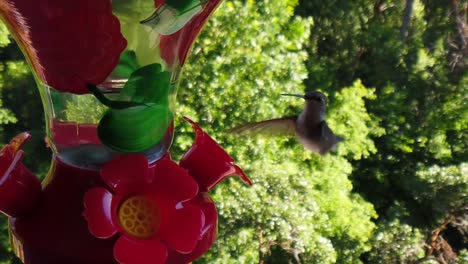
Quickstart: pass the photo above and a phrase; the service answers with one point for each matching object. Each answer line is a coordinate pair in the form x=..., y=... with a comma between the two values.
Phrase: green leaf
x=148, y=84
x=141, y=116
x=134, y=129
x=173, y=15
x=184, y=5
x=127, y=64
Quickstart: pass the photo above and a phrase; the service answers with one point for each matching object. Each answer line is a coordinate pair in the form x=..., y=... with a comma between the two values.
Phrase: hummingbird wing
x=272, y=127
x=328, y=139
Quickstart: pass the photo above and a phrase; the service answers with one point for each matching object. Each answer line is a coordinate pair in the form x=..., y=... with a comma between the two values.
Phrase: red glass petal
x=186, y=229
x=98, y=203
x=208, y=162
x=130, y=251
x=126, y=174
x=168, y=44
x=83, y=47
x=19, y=188
x=184, y=38
x=173, y=182
x=158, y=3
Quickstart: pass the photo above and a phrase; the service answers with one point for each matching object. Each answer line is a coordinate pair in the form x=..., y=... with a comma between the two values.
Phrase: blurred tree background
x=395, y=72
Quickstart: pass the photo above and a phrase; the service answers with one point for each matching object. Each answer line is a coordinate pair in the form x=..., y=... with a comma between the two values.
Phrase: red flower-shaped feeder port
x=19, y=188
x=157, y=209
x=69, y=43
x=146, y=206
x=208, y=162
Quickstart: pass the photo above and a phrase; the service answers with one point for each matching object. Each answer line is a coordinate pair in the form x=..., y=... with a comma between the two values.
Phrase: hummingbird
x=309, y=126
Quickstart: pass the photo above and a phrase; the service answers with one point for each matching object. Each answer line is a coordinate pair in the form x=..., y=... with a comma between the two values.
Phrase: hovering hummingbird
x=309, y=127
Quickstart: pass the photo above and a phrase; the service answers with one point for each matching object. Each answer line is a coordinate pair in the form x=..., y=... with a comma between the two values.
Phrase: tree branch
x=461, y=25
x=406, y=19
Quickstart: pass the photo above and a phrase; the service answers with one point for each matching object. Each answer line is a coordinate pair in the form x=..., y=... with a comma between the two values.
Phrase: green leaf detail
x=128, y=63
x=141, y=116
x=135, y=129
x=173, y=15
x=184, y=5
x=148, y=84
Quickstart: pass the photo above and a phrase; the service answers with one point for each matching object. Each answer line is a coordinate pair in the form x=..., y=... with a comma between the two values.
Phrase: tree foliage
x=420, y=99
x=301, y=207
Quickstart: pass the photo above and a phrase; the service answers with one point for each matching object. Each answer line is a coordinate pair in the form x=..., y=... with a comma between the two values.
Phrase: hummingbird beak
x=296, y=95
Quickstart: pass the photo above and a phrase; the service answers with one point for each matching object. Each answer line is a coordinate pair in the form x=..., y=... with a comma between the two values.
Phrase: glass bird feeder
x=108, y=74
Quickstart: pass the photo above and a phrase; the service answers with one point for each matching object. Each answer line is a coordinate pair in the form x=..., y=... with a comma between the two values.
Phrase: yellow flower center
x=139, y=217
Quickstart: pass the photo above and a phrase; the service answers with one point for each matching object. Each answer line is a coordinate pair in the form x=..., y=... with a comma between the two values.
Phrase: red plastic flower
x=147, y=207
x=19, y=188
x=158, y=210
x=69, y=43
x=209, y=231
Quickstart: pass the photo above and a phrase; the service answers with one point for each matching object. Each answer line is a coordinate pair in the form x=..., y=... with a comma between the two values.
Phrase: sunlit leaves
x=349, y=116
x=251, y=52
x=395, y=241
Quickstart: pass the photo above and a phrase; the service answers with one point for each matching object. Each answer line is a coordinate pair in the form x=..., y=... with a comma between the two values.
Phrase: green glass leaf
x=134, y=129
x=173, y=15
x=127, y=64
x=141, y=116
x=148, y=84
x=130, y=13
x=184, y=5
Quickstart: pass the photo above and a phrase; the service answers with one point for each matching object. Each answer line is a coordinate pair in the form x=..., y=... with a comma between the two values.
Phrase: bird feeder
x=108, y=74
